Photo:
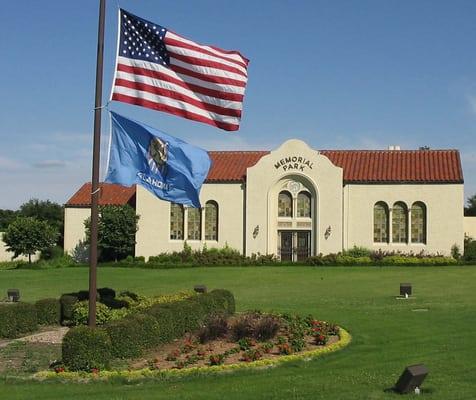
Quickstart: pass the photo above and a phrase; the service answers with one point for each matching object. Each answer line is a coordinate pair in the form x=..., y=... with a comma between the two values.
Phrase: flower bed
x=244, y=338
x=247, y=340
x=150, y=373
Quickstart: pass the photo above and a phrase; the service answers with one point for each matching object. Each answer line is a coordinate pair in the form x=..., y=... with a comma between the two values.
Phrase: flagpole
x=93, y=246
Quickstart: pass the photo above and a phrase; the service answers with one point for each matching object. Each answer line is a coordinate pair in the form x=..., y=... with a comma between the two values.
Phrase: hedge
x=67, y=302
x=130, y=336
x=17, y=319
x=48, y=311
x=85, y=349
x=133, y=334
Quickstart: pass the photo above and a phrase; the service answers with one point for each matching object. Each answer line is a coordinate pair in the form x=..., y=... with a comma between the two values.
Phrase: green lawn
x=387, y=333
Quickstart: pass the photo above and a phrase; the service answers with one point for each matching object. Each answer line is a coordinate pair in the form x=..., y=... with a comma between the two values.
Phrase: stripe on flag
x=158, y=69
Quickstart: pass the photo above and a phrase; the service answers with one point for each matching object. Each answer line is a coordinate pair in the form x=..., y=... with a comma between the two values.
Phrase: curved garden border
x=344, y=340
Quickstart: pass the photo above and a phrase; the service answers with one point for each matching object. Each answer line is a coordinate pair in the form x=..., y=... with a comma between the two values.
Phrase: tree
x=470, y=209
x=6, y=217
x=117, y=229
x=45, y=210
x=27, y=235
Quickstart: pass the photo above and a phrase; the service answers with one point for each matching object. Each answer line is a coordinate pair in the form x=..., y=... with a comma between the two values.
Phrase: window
x=285, y=205
x=211, y=221
x=176, y=221
x=380, y=222
x=418, y=221
x=399, y=223
x=304, y=205
x=194, y=223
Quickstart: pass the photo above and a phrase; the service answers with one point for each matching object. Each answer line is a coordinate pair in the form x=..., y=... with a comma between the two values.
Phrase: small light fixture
x=411, y=379
x=200, y=288
x=405, y=290
x=328, y=232
x=13, y=295
x=255, y=231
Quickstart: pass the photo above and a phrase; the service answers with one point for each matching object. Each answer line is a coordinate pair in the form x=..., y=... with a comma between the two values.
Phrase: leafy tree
x=27, y=235
x=6, y=217
x=116, y=232
x=470, y=209
x=45, y=210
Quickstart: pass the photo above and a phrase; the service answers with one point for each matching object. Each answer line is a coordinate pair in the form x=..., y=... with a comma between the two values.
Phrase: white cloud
x=50, y=164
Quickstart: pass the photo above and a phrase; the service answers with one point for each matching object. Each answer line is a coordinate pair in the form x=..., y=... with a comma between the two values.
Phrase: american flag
x=159, y=69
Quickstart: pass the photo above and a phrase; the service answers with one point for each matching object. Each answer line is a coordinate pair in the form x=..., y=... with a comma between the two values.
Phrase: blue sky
x=336, y=74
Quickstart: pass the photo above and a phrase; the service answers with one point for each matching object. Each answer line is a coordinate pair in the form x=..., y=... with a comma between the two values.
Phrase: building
x=295, y=202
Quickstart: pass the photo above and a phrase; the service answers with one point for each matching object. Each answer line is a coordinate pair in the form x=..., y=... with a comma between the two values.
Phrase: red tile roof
x=360, y=166
x=110, y=194
x=398, y=166
x=230, y=166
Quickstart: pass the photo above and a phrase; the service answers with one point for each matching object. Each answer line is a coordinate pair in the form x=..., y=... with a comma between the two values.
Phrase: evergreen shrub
x=470, y=251
x=17, y=319
x=85, y=349
x=133, y=334
x=160, y=323
x=48, y=311
x=67, y=301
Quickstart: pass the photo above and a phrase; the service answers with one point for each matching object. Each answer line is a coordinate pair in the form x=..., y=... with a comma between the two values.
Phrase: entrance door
x=286, y=245
x=303, y=248
x=294, y=245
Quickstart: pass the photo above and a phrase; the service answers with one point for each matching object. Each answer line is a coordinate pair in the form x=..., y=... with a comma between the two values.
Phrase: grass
x=27, y=358
x=387, y=333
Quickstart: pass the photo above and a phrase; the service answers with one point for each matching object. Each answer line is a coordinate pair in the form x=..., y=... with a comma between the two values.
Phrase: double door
x=294, y=245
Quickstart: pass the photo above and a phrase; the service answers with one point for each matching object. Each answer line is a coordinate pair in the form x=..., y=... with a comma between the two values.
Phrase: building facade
x=296, y=202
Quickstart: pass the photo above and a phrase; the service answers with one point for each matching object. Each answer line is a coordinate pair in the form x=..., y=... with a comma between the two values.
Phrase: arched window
x=211, y=220
x=418, y=221
x=304, y=205
x=176, y=221
x=399, y=223
x=380, y=222
x=285, y=204
x=194, y=223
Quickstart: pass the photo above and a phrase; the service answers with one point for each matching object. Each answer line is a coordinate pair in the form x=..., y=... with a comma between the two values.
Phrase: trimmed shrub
x=80, y=313
x=17, y=319
x=106, y=293
x=177, y=318
x=160, y=323
x=67, y=302
x=86, y=348
x=48, y=311
x=228, y=297
x=131, y=335
x=165, y=317
x=417, y=261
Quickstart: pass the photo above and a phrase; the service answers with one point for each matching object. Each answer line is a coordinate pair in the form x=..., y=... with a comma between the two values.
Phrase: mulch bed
x=189, y=347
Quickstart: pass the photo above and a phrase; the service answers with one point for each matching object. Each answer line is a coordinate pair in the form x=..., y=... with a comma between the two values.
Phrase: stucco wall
x=444, y=215
x=74, y=218
x=293, y=160
x=470, y=227
x=153, y=236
